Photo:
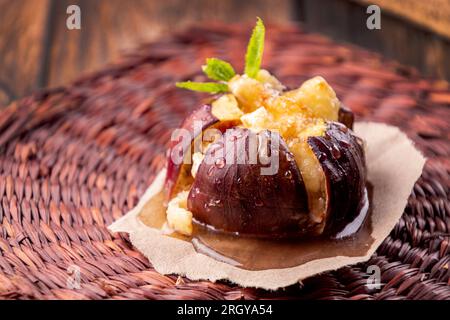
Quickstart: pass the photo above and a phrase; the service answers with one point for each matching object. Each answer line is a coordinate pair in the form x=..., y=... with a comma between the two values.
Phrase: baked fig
x=285, y=163
x=341, y=156
x=346, y=116
x=231, y=192
x=220, y=114
x=233, y=196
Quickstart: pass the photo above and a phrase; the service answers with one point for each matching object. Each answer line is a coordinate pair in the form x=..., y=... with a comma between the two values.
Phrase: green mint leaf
x=255, y=50
x=217, y=69
x=211, y=87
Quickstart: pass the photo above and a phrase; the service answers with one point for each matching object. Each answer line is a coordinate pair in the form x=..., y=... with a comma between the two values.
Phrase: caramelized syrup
x=261, y=254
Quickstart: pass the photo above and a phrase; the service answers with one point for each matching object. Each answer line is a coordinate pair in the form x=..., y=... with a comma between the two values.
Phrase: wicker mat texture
x=76, y=158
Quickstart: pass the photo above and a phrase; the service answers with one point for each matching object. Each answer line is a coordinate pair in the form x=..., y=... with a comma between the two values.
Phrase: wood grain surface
x=431, y=14
x=23, y=37
x=399, y=38
x=37, y=50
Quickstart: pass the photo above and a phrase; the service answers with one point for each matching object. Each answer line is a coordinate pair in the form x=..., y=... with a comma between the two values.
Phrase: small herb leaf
x=219, y=70
x=255, y=50
x=211, y=87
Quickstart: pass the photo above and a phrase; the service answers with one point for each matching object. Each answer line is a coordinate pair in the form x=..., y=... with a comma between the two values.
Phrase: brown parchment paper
x=393, y=167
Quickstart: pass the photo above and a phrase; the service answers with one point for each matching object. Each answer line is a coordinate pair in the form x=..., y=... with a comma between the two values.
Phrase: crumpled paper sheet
x=393, y=164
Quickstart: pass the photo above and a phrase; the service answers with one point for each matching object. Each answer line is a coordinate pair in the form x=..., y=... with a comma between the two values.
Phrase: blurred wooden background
x=37, y=50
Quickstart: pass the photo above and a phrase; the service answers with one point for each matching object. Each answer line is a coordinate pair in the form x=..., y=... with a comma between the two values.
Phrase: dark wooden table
x=37, y=50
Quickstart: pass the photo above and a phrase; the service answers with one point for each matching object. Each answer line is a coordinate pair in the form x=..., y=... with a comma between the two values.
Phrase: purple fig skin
x=174, y=170
x=341, y=156
x=346, y=116
x=237, y=198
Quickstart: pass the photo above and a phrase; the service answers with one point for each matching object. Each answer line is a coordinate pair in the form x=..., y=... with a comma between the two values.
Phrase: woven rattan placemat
x=74, y=159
